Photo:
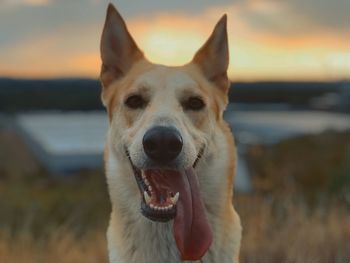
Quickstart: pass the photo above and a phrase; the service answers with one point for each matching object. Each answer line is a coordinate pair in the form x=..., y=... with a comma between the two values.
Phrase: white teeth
x=144, y=178
x=158, y=208
x=162, y=207
x=175, y=198
x=147, y=197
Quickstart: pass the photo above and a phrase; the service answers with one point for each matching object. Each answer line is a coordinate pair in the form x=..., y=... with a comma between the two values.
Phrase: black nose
x=162, y=144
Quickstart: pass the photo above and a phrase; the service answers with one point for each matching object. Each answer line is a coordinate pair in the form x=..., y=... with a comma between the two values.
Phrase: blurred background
x=289, y=111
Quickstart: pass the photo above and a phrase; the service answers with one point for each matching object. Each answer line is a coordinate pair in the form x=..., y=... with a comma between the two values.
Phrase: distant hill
x=294, y=93
x=38, y=94
x=84, y=94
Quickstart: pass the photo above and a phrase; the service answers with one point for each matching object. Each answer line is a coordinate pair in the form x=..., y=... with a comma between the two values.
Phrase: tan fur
x=131, y=237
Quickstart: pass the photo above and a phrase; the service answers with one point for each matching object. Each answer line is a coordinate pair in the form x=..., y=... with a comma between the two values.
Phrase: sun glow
x=169, y=47
x=172, y=39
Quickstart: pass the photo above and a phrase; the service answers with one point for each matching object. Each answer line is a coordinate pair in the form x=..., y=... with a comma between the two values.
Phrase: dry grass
x=280, y=231
x=61, y=247
x=315, y=168
x=274, y=232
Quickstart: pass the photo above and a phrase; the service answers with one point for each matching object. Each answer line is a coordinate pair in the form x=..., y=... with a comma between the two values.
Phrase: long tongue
x=192, y=231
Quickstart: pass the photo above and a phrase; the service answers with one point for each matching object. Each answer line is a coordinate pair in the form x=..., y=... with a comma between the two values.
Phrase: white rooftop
x=272, y=126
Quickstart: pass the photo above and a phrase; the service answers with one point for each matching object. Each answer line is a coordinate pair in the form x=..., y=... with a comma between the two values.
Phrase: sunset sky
x=269, y=39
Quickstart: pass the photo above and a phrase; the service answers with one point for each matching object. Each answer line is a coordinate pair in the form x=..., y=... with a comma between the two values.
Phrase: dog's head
x=162, y=120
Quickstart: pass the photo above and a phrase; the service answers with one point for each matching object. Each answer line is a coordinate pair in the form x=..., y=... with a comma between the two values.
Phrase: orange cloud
x=173, y=39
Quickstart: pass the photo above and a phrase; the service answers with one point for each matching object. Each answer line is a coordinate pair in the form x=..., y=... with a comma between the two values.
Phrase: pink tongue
x=192, y=231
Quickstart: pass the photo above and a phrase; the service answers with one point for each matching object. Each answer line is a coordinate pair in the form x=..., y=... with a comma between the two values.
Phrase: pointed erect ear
x=118, y=49
x=213, y=57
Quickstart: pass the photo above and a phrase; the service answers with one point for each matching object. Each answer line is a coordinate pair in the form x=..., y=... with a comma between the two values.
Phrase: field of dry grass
x=40, y=222
x=271, y=235
x=60, y=247
x=280, y=231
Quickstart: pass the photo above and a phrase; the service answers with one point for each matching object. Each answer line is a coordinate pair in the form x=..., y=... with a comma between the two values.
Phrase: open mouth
x=174, y=194
x=158, y=190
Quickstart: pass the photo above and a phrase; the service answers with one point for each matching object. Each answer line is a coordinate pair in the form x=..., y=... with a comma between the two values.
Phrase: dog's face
x=162, y=120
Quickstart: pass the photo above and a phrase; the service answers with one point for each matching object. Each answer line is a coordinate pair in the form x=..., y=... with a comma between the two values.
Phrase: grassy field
x=298, y=212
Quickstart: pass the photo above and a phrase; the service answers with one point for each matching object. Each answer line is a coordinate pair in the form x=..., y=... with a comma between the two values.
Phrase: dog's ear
x=118, y=49
x=213, y=57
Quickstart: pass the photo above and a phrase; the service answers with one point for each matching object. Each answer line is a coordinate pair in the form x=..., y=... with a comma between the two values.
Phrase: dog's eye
x=194, y=103
x=135, y=102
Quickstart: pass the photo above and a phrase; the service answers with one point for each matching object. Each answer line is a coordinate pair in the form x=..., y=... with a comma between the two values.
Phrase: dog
x=169, y=157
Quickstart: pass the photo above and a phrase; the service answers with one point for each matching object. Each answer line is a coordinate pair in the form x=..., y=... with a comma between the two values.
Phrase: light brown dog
x=170, y=157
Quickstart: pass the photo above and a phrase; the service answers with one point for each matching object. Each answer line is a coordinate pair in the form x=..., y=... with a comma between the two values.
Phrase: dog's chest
x=149, y=242
x=143, y=242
